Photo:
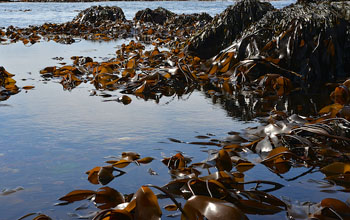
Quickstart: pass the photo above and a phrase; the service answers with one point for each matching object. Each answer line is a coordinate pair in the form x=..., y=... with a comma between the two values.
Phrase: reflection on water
x=247, y=106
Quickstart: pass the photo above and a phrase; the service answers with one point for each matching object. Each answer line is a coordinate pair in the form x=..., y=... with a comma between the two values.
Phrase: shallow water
x=49, y=137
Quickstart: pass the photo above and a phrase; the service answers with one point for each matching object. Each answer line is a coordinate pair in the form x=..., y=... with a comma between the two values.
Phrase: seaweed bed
x=269, y=61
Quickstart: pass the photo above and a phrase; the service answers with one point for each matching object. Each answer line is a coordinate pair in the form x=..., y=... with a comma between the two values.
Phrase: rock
x=188, y=19
x=99, y=14
x=226, y=27
x=158, y=15
x=306, y=42
x=310, y=39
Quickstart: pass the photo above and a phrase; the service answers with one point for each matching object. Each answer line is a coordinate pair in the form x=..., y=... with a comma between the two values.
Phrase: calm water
x=49, y=137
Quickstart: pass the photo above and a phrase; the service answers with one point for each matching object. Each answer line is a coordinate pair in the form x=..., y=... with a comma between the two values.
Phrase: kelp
x=106, y=23
x=7, y=84
x=222, y=189
x=328, y=208
x=224, y=193
x=257, y=69
x=285, y=142
x=306, y=42
x=146, y=74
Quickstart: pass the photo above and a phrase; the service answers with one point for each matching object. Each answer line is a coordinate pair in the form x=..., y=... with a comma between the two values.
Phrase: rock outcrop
x=96, y=15
x=188, y=19
x=158, y=15
x=226, y=27
x=307, y=41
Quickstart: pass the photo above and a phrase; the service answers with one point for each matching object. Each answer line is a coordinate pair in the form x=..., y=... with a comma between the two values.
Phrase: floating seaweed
x=7, y=84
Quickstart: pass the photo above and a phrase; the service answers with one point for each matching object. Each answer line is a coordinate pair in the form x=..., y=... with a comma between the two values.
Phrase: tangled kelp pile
x=148, y=74
x=279, y=56
x=249, y=64
x=308, y=43
x=108, y=23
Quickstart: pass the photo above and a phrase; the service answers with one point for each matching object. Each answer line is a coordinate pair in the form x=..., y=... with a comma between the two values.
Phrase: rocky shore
x=306, y=43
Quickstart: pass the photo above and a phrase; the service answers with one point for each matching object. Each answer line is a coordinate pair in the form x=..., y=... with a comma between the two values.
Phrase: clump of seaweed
x=7, y=84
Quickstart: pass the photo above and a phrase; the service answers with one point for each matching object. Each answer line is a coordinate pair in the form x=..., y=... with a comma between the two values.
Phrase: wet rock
x=311, y=40
x=174, y=32
x=158, y=15
x=99, y=14
x=189, y=19
x=226, y=27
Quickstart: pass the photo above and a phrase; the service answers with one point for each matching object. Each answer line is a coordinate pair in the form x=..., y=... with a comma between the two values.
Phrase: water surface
x=49, y=137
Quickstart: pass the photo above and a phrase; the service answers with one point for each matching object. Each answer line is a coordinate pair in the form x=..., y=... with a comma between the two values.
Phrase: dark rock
x=309, y=39
x=226, y=27
x=318, y=16
x=96, y=15
x=158, y=15
x=189, y=19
